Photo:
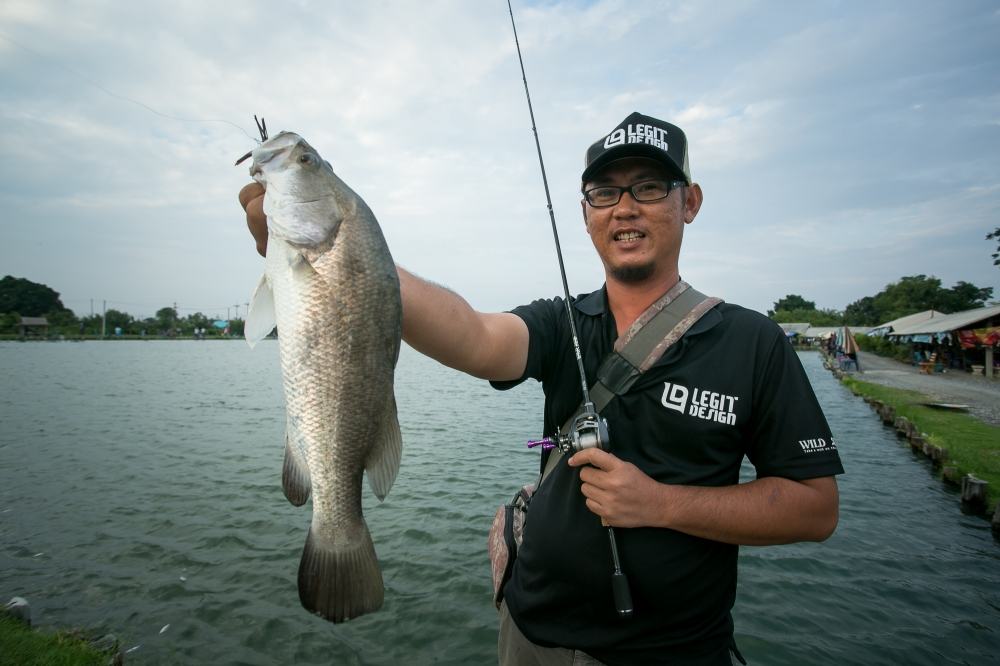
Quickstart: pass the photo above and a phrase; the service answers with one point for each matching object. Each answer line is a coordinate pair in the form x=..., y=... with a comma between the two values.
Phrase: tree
x=995, y=235
x=27, y=298
x=863, y=312
x=115, y=318
x=810, y=316
x=912, y=294
x=166, y=318
x=967, y=296
x=792, y=302
x=196, y=320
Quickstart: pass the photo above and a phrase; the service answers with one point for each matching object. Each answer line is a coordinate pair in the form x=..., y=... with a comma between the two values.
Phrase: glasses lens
x=650, y=190
x=603, y=196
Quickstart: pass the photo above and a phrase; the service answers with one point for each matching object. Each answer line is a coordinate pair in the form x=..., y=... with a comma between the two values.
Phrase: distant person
x=671, y=479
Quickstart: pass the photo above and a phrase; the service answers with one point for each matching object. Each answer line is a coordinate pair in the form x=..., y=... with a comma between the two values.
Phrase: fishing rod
x=588, y=430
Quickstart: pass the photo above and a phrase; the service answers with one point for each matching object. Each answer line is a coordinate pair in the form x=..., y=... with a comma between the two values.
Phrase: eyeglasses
x=643, y=192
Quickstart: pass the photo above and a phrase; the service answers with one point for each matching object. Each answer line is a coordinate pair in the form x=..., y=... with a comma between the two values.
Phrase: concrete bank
x=981, y=397
x=980, y=394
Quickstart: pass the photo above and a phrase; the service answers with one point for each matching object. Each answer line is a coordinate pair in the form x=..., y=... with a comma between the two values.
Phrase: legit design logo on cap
x=640, y=136
x=654, y=136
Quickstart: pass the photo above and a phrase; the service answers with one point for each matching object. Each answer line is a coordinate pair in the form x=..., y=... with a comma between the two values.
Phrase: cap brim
x=633, y=150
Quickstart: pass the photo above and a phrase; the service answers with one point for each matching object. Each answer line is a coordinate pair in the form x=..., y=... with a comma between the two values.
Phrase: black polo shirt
x=732, y=386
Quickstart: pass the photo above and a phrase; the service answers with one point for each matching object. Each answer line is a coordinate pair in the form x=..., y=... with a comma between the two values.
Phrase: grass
x=973, y=446
x=24, y=646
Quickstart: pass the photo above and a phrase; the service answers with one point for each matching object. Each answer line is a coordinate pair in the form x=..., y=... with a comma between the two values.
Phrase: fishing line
x=86, y=79
x=552, y=217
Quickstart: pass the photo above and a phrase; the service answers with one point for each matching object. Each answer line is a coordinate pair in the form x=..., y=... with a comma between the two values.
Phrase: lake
x=140, y=494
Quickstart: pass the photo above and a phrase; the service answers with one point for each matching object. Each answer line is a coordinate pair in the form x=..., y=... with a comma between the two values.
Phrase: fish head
x=301, y=198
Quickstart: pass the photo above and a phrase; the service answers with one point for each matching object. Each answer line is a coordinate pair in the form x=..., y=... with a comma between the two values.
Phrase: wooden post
x=988, y=370
x=995, y=523
x=973, y=492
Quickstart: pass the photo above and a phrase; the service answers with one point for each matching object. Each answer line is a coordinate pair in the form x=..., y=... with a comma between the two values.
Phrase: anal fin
x=295, y=479
x=382, y=464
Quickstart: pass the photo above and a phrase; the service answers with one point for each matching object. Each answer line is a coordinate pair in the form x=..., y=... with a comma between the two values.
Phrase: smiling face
x=640, y=243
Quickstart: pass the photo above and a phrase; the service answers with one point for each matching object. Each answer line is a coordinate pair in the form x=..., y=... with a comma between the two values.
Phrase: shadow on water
x=139, y=488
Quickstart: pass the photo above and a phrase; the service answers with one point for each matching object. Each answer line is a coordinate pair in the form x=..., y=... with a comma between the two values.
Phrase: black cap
x=640, y=136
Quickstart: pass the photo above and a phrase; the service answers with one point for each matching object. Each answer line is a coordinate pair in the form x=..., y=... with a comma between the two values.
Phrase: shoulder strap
x=647, y=339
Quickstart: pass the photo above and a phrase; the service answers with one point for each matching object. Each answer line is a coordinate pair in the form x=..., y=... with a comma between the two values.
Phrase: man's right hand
x=252, y=200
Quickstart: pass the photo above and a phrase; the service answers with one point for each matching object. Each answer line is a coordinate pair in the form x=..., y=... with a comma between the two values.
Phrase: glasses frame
x=671, y=186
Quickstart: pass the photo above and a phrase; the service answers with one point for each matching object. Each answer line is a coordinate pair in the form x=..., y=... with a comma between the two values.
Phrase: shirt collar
x=596, y=303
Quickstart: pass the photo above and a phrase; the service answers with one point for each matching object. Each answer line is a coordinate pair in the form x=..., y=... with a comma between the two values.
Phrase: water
x=139, y=488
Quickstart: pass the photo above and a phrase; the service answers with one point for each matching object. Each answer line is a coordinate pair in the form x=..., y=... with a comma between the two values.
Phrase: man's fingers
x=249, y=193
x=257, y=223
x=596, y=457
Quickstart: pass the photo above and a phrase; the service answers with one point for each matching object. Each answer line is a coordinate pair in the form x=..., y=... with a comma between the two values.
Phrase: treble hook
x=262, y=128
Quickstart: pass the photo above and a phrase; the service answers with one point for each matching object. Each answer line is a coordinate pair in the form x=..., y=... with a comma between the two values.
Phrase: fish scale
x=331, y=287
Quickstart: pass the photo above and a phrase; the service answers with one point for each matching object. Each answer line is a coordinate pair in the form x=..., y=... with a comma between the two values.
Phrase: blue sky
x=840, y=145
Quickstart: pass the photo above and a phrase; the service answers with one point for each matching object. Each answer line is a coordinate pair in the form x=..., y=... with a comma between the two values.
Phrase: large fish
x=330, y=286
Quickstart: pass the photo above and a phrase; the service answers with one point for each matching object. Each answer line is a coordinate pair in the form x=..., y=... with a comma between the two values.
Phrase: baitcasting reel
x=588, y=431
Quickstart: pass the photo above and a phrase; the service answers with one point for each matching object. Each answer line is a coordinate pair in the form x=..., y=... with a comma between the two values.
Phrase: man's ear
x=692, y=202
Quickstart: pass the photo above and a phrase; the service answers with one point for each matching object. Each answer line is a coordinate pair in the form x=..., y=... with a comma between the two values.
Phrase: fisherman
x=732, y=386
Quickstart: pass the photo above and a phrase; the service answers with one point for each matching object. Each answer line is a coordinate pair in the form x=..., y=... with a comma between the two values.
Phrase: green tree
x=196, y=320
x=810, y=316
x=792, y=302
x=30, y=299
x=863, y=312
x=9, y=322
x=63, y=321
x=91, y=324
x=912, y=294
x=166, y=319
x=966, y=296
x=995, y=235
x=116, y=318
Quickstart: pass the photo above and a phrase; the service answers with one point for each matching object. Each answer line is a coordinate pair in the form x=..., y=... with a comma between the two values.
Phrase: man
x=732, y=386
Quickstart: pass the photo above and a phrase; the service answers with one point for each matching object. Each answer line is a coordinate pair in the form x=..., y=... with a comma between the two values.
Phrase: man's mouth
x=629, y=235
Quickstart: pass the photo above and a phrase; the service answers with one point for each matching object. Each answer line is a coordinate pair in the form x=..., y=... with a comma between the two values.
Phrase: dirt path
x=982, y=395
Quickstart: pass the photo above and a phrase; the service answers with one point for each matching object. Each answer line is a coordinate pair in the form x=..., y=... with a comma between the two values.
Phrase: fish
x=331, y=288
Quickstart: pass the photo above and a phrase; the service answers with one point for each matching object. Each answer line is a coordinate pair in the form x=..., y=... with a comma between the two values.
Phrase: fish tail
x=342, y=581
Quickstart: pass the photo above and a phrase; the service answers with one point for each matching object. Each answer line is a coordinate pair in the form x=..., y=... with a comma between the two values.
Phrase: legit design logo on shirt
x=707, y=405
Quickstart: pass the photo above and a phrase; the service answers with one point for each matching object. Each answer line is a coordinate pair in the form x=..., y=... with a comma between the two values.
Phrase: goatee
x=632, y=274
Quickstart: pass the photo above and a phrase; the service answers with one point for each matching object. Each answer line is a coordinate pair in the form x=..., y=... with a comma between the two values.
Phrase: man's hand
x=767, y=511
x=618, y=491
x=252, y=200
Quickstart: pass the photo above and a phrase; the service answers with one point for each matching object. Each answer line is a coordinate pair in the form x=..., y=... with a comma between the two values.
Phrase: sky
x=840, y=145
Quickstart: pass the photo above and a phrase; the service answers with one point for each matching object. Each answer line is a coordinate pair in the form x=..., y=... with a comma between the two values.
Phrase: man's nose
x=627, y=205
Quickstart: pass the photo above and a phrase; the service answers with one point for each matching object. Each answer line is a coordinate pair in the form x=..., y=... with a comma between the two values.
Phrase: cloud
x=835, y=155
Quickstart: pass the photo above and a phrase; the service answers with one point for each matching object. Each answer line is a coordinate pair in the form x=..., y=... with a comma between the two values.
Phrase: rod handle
x=623, y=598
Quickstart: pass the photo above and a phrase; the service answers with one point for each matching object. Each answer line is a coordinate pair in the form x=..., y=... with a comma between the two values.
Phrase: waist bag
x=647, y=339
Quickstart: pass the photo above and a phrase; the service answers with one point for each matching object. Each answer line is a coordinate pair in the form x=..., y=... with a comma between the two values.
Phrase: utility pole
x=104, y=320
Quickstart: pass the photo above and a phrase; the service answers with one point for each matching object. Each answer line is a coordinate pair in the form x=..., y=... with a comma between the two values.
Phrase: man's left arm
x=770, y=510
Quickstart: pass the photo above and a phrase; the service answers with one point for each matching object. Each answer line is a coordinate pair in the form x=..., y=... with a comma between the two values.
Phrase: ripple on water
x=169, y=510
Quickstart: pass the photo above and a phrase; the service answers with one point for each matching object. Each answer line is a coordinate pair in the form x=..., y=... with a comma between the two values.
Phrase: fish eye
x=306, y=158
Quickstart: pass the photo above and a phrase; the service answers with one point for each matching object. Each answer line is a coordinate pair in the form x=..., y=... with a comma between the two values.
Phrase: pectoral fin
x=261, y=318
x=383, y=460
